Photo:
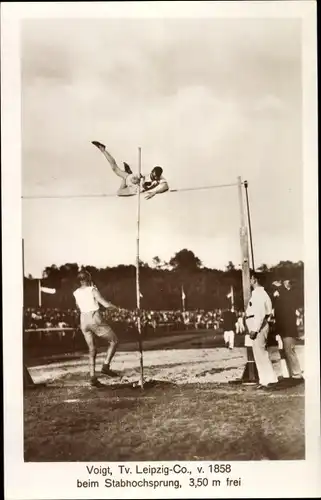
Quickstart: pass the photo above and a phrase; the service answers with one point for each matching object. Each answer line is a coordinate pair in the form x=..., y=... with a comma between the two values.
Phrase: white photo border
x=42, y=481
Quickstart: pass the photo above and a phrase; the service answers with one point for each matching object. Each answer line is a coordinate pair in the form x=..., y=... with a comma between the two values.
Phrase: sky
x=207, y=99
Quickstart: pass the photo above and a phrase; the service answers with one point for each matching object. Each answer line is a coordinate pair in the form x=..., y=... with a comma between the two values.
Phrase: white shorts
x=92, y=324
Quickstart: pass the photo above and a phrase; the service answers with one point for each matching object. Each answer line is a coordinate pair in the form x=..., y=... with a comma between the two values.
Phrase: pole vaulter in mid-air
x=131, y=183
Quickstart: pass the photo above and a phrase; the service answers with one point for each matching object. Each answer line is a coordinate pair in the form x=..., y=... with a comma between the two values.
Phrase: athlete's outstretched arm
x=160, y=188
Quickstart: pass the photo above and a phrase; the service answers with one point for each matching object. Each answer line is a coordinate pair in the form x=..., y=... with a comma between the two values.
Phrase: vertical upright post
x=183, y=299
x=232, y=296
x=23, y=284
x=39, y=293
x=23, y=259
x=249, y=222
x=137, y=275
x=250, y=375
x=244, y=248
x=27, y=379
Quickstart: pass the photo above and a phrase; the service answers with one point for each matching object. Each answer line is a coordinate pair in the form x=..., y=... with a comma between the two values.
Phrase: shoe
x=128, y=170
x=94, y=382
x=107, y=371
x=268, y=387
x=291, y=382
x=297, y=381
x=99, y=145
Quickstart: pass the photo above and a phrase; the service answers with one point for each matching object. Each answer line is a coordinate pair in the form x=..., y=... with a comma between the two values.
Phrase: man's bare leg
x=123, y=190
x=92, y=359
x=110, y=353
x=110, y=159
x=106, y=333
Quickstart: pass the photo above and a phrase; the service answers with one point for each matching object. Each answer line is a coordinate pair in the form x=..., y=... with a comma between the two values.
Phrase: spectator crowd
x=36, y=318
x=39, y=318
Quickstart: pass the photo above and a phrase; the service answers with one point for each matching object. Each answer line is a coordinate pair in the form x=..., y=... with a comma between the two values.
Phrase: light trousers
x=275, y=358
x=261, y=356
x=229, y=338
x=291, y=358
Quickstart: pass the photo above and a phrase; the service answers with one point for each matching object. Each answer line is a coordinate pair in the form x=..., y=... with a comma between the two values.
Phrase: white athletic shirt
x=259, y=307
x=134, y=187
x=155, y=183
x=86, y=300
x=162, y=180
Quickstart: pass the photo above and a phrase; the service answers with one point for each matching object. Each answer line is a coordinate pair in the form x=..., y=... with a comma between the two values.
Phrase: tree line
x=161, y=283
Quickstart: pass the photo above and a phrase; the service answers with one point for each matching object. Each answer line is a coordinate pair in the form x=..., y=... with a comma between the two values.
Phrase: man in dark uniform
x=229, y=320
x=273, y=348
x=285, y=318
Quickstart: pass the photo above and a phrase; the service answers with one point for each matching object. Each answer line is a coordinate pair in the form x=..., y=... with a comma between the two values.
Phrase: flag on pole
x=43, y=289
x=141, y=295
x=51, y=291
x=183, y=299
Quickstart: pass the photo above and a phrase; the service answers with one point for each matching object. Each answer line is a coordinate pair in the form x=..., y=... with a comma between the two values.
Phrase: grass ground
x=165, y=422
x=176, y=419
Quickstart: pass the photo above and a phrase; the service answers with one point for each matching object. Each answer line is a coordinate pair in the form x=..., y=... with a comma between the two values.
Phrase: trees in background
x=161, y=284
x=185, y=260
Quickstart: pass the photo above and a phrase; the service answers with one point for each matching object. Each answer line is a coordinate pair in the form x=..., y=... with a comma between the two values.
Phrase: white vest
x=85, y=299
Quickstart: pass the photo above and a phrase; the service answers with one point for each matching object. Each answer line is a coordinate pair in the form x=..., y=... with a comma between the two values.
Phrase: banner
x=231, y=296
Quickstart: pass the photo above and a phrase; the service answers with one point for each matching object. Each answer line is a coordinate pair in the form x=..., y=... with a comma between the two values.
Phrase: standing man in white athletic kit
x=88, y=300
x=258, y=313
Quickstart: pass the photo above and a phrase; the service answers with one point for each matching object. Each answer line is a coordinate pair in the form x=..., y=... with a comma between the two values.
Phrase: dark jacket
x=229, y=320
x=271, y=337
x=285, y=313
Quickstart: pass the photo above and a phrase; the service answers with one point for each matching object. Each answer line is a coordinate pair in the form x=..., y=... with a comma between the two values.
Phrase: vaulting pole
x=139, y=327
x=39, y=293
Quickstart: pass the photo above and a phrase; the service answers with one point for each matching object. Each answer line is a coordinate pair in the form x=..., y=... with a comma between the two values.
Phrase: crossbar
x=112, y=195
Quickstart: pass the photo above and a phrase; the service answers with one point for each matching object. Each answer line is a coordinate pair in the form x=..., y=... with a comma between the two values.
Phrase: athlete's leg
x=111, y=160
x=89, y=338
x=123, y=190
x=123, y=184
x=111, y=351
x=86, y=321
x=106, y=333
